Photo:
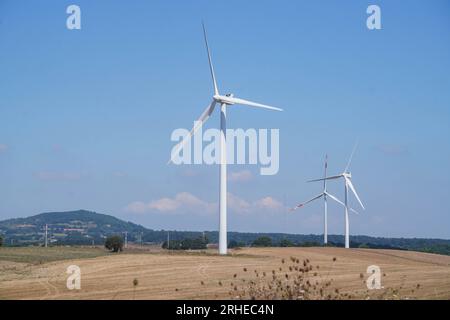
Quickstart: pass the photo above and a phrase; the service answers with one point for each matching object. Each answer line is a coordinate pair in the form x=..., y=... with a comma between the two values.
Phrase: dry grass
x=162, y=275
x=40, y=255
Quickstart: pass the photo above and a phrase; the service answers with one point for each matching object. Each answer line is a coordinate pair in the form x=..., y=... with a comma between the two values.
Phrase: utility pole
x=46, y=235
x=126, y=239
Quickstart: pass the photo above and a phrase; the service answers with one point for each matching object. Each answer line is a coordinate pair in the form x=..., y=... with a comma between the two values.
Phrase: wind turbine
x=224, y=101
x=324, y=194
x=347, y=176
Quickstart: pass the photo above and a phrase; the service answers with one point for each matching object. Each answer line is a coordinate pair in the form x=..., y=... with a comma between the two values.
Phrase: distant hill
x=71, y=227
x=85, y=227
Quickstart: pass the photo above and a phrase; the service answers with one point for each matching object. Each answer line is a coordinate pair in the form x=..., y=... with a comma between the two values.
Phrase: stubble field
x=33, y=273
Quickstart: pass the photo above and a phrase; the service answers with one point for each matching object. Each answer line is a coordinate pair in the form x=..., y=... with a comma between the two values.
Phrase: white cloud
x=182, y=202
x=269, y=203
x=240, y=176
x=3, y=148
x=186, y=202
x=137, y=207
x=237, y=204
x=165, y=204
x=52, y=175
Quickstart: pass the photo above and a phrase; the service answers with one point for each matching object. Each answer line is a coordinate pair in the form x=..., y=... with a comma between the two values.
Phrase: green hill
x=71, y=227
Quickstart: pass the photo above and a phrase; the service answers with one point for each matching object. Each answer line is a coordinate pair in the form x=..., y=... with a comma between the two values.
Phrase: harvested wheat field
x=205, y=275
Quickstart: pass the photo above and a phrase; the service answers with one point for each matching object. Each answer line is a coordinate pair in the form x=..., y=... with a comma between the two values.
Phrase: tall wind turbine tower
x=224, y=101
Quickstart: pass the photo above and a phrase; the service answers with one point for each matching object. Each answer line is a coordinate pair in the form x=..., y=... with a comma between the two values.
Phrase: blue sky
x=86, y=115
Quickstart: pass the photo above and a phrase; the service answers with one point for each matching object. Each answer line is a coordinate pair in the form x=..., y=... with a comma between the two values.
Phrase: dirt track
x=179, y=276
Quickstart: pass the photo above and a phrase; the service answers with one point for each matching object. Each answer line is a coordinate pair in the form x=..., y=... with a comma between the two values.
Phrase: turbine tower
x=126, y=239
x=324, y=194
x=224, y=101
x=347, y=176
x=46, y=235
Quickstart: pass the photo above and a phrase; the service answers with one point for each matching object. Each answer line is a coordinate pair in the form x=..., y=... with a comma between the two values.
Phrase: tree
x=310, y=244
x=173, y=245
x=193, y=244
x=235, y=244
x=186, y=244
x=1, y=241
x=286, y=243
x=114, y=243
x=262, y=242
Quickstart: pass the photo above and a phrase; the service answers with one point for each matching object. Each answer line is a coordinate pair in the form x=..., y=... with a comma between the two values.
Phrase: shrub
x=262, y=242
x=234, y=244
x=297, y=279
x=186, y=244
x=286, y=243
x=310, y=244
x=114, y=243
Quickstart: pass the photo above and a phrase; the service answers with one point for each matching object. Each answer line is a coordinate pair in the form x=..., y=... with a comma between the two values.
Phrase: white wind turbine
x=324, y=194
x=224, y=101
x=347, y=176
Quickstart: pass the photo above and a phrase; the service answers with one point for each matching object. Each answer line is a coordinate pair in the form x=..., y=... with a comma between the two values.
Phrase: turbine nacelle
x=226, y=99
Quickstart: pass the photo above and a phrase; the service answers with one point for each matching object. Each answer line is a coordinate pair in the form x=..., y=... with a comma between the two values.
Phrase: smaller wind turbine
x=324, y=194
x=347, y=176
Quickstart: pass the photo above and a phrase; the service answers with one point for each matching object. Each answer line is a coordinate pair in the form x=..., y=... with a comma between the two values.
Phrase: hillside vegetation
x=86, y=228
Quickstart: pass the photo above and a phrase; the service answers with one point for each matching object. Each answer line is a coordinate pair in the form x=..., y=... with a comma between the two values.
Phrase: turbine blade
x=350, y=184
x=351, y=156
x=327, y=178
x=252, y=104
x=334, y=198
x=198, y=124
x=306, y=202
x=340, y=202
x=211, y=67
